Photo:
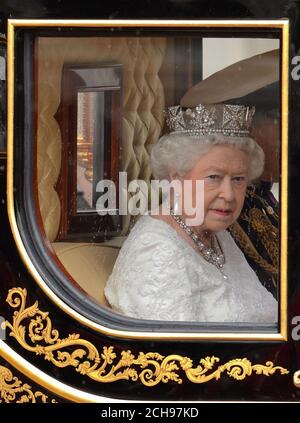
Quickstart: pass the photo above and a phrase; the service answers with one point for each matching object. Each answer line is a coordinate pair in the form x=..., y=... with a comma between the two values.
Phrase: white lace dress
x=159, y=276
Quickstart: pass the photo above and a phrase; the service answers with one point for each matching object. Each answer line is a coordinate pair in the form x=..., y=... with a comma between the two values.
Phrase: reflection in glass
x=111, y=116
x=90, y=132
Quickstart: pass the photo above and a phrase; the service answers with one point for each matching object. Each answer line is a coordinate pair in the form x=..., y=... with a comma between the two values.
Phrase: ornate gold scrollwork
x=296, y=379
x=151, y=368
x=14, y=390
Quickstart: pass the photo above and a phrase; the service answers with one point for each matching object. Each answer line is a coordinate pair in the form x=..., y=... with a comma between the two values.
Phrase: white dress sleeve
x=150, y=277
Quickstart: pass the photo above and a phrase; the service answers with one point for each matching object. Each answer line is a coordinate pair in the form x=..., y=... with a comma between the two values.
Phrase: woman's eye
x=240, y=179
x=214, y=177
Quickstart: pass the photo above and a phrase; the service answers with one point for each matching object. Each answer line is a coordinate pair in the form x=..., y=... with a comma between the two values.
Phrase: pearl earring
x=177, y=204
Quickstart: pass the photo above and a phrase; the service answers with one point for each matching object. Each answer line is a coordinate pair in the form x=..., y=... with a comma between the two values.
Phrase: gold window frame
x=282, y=25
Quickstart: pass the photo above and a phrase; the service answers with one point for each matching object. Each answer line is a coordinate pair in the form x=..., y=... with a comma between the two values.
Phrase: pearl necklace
x=213, y=255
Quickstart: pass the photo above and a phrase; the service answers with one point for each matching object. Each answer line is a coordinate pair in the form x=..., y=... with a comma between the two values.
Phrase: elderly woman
x=167, y=270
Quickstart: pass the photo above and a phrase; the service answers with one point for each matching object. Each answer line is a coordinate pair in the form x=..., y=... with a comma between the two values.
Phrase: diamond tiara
x=227, y=119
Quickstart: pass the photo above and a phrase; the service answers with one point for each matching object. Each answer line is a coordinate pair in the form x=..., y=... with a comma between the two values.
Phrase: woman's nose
x=226, y=190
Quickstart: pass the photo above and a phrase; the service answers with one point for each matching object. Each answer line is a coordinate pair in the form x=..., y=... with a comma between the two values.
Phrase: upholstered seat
x=89, y=265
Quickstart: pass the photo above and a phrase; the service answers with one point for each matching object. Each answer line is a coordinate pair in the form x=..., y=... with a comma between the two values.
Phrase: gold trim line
x=248, y=23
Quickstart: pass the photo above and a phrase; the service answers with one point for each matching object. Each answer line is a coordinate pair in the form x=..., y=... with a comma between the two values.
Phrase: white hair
x=181, y=152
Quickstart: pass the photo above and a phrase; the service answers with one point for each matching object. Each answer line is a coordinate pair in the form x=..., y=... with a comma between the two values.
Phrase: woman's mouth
x=222, y=212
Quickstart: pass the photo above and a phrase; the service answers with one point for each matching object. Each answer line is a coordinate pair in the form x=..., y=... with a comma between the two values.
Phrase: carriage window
x=89, y=119
x=113, y=115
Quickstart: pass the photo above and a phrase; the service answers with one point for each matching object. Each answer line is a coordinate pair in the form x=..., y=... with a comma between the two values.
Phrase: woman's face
x=224, y=170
